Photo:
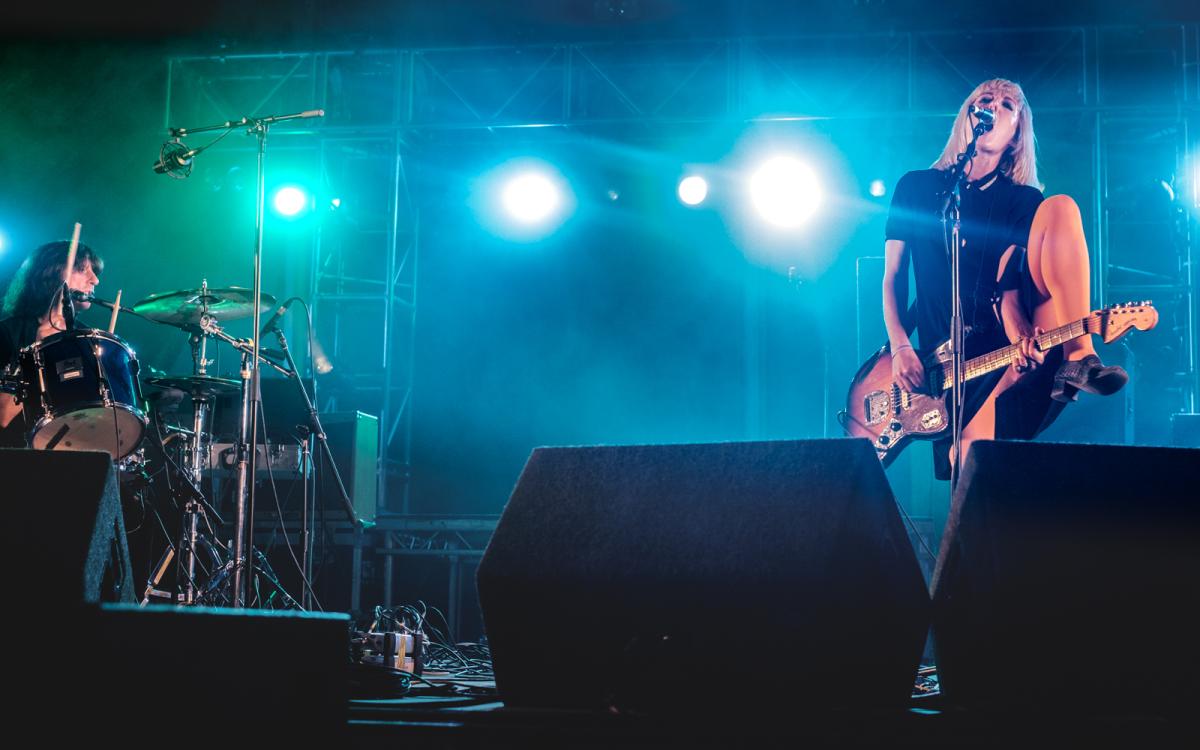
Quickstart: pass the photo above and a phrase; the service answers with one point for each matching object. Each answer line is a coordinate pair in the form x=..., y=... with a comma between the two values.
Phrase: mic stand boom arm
x=249, y=122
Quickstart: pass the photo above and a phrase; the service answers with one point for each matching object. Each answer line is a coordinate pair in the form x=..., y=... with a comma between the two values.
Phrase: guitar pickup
x=877, y=407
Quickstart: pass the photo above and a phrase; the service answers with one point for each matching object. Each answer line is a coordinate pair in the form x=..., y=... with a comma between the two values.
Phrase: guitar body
x=879, y=410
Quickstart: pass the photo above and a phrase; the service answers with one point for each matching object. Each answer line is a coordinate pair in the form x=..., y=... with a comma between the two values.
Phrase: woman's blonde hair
x=1019, y=162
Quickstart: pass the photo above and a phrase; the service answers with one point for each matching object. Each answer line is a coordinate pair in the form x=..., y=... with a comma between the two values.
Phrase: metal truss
x=705, y=80
x=363, y=291
x=457, y=540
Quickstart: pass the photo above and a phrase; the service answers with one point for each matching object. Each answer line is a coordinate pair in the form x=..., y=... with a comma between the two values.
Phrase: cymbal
x=184, y=307
x=198, y=386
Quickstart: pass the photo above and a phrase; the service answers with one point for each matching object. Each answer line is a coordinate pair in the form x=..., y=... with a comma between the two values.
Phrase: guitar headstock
x=1114, y=321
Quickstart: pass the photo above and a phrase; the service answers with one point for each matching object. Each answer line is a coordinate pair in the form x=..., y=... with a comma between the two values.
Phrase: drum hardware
x=248, y=432
x=191, y=311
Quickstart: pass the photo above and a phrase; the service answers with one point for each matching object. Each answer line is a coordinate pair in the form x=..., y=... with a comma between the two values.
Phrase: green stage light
x=290, y=201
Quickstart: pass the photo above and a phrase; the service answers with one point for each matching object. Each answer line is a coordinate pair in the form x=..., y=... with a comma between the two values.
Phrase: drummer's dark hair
x=40, y=275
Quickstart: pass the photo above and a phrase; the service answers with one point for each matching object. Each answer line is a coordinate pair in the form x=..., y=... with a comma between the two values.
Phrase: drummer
x=27, y=316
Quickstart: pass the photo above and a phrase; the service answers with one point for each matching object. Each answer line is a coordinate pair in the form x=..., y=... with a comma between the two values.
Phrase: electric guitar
x=883, y=412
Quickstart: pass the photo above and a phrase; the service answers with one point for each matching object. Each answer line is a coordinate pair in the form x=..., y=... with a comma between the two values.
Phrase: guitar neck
x=985, y=363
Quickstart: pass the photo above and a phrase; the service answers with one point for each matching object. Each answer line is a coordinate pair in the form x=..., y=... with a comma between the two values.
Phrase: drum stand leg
x=159, y=571
x=191, y=520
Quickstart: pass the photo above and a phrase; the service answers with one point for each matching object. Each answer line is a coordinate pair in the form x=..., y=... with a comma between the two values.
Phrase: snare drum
x=82, y=393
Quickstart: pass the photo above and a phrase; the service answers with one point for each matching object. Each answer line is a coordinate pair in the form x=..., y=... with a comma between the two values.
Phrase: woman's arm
x=906, y=367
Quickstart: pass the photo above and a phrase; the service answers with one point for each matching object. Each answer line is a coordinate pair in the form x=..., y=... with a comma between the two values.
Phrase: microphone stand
x=243, y=564
x=951, y=214
x=316, y=431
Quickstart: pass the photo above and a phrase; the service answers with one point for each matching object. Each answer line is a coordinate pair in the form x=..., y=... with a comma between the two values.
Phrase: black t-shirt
x=16, y=333
x=992, y=220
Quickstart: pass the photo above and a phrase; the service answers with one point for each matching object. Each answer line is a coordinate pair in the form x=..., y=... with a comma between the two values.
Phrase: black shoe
x=1088, y=374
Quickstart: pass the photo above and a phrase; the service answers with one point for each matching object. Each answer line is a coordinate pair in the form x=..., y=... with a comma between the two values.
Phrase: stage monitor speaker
x=64, y=540
x=669, y=578
x=1067, y=579
x=196, y=675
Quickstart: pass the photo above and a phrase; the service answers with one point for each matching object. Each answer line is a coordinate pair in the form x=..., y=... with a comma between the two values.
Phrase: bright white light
x=3, y=242
x=531, y=197
x=693, y=190
x=785, y=191
x=290, y=200
x=878, y=189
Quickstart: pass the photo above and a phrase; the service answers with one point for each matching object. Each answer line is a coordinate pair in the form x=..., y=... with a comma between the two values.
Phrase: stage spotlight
x=335, y=204
x=3, y=242
x=785, y=191
x=531, y=197
x=878, y=189
x=523, y=199
x=693, y=189
x=290, y=201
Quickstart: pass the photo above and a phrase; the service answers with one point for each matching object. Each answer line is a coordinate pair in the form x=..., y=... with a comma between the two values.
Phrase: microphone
x=79, y=296
x=68, y=307
x=174, y=156
x=273, y=321
x=985, y=117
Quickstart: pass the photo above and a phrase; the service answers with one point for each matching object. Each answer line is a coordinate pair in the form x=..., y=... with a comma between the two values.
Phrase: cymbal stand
x=246, y=451
x=194, y=460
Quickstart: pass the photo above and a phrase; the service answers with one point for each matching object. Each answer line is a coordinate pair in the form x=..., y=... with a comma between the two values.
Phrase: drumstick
x=112, y=322
x=71, y=253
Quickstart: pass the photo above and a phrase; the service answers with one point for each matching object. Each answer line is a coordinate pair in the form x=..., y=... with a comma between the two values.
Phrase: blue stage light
x=785, y=191
x=531, y=198
x=693, y=189
x=522, y=199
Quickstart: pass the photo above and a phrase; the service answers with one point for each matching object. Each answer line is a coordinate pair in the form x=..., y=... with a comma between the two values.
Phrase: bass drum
x=82, y=393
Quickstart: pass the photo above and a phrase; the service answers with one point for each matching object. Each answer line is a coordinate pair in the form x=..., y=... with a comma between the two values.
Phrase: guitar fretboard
x=1002, y=357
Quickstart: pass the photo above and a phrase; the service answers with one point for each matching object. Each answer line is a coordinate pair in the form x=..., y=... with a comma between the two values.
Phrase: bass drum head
x=115, y=429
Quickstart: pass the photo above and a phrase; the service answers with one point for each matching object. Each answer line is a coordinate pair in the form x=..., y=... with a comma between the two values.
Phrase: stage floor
x=468, y=714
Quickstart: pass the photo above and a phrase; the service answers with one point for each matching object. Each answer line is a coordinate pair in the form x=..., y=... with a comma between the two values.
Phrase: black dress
x=993, y=219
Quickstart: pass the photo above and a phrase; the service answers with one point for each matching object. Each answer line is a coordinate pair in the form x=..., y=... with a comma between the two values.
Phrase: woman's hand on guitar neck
x=1028, y=356
x=907, y=371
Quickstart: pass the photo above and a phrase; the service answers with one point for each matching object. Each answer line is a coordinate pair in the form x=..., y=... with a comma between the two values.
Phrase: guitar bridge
x=877, y=407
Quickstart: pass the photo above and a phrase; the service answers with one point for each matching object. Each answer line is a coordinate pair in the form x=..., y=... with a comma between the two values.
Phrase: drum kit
x=82, y=389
